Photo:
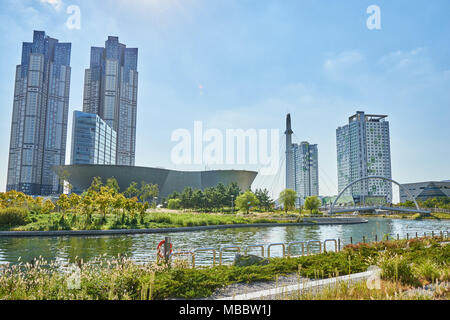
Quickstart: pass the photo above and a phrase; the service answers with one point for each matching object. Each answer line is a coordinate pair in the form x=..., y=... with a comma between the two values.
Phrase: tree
x=64, y=203
x=186, y=198
x=74, y=200
x=113, y=184
x=96, y=184
x=264, y=199
x=246, y=200
x=104, y=199
x=287, y=199
x=48, y=206
x=118, y=203
x=132, y=190
x=198, y=199
x=174, y=204
x=312, y=203
x=148, y=191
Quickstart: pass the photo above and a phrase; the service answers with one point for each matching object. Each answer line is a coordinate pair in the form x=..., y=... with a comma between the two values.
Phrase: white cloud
x=343, y=60
x=56, y=4
x=414, y=62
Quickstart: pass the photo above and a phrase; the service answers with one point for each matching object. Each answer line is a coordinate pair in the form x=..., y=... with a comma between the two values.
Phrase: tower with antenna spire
x=302, y=167
x=290, y=176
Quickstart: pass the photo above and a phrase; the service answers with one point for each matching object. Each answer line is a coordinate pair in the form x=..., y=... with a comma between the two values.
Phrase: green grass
x=70, y=221
x=420, y=260
x=417, y=216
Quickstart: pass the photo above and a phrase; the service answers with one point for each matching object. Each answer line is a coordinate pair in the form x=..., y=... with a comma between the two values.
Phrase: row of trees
x=288, y=197
x=210, y=199
x=99, y=198
x=220, y=197
x=15, y=199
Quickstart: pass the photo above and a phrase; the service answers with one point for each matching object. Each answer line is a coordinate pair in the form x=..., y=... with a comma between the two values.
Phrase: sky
x=244, y=64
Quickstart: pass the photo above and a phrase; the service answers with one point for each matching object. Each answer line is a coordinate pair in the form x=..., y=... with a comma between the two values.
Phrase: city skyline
x=184, y=83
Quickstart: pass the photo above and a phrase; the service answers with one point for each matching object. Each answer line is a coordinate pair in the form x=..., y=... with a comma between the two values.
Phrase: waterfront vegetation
x=388, y=290
x=417, y=216
x=104, y=207
x=405, y=264
x=438, y=202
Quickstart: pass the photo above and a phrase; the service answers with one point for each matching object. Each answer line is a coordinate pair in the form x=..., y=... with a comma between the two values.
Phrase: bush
x=427, y=270
x=174, y=204
x=397, y=268
x=13, y=217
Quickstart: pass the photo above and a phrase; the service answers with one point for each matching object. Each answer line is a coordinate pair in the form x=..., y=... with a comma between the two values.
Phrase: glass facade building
x=93, y=141
x=306, y=170
x=110, y=91
x=363, y=149
x=40, y=115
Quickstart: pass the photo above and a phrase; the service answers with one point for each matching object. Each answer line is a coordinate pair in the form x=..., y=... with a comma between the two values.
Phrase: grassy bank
x=70, y=221
x=410, y=263
x=431, y=216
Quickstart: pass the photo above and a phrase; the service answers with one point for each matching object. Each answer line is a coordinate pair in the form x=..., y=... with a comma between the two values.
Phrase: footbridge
x=373, y=208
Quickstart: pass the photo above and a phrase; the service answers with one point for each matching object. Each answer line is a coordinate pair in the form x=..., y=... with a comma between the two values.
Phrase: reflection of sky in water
x=142, y=248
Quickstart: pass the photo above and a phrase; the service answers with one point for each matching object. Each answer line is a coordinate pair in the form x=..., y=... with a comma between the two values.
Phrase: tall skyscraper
x=40, y=113
x=306, y=166
x=110, y=91
x=302, y=167
x=363, y=149
x=93, y=141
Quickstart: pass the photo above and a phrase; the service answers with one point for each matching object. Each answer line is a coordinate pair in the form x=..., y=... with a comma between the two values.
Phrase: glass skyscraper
x=363, y=149
x=110, y=91
x=93, y=141
x=39, y=119
x=306, y=170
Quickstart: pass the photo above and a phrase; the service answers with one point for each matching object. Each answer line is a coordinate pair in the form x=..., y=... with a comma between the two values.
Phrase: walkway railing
x=306, y=246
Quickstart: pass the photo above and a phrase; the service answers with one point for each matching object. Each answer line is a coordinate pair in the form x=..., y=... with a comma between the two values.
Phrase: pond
x=142, y=248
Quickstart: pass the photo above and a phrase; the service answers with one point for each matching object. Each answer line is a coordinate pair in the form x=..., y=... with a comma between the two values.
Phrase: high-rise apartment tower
x=110, y=91
x=40, y=114
x=363, y=149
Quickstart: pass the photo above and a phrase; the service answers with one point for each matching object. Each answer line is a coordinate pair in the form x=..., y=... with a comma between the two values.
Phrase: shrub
x=174, y=204
x=397, y=268
x=13, y=217
x=427, y=270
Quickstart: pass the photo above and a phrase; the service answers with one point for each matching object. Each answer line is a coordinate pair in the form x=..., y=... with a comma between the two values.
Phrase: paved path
x=273, y=290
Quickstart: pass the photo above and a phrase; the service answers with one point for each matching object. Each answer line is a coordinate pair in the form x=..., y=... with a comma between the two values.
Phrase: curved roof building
x=81, y=176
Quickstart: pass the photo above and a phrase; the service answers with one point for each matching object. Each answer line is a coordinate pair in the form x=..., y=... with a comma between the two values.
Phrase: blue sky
x=246, y=63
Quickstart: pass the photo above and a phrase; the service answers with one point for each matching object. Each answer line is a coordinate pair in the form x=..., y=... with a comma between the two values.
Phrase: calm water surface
x=142, y=248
